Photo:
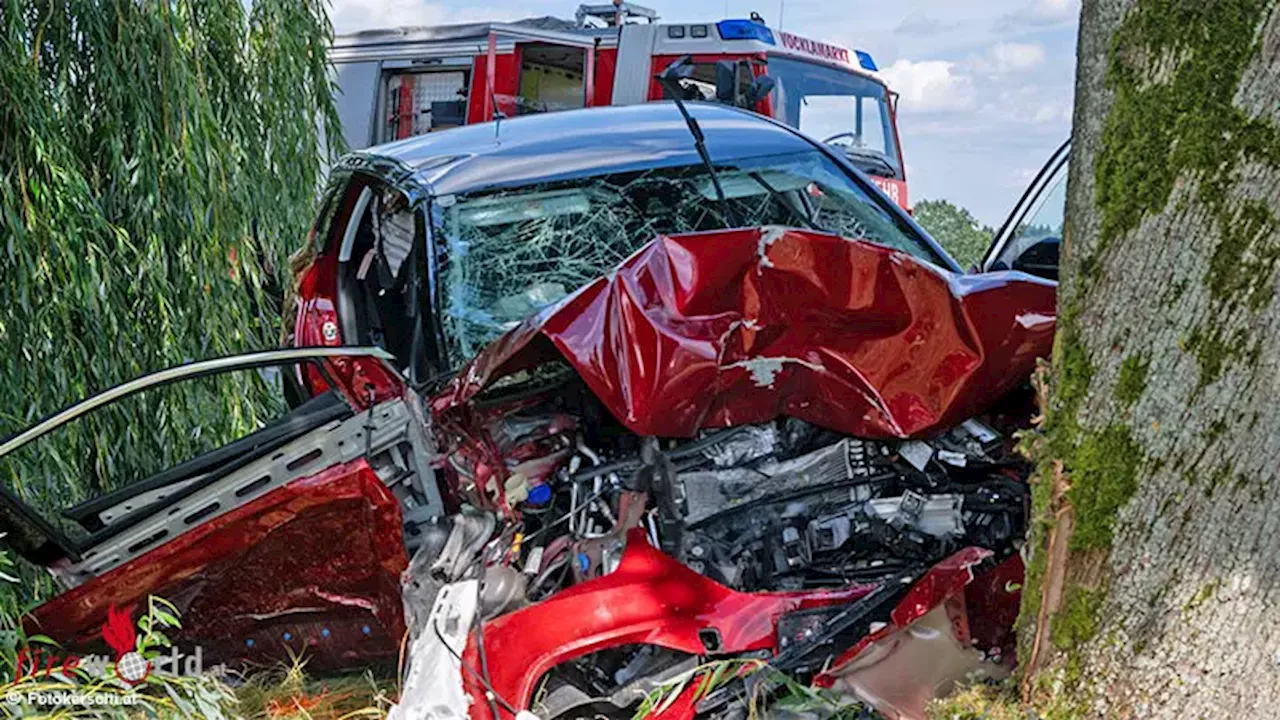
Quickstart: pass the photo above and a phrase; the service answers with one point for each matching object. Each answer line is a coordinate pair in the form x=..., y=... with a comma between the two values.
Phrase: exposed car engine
x=783, y=505
x=788, y=506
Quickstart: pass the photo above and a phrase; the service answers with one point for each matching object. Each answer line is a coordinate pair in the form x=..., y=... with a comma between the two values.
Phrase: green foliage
x=773, y=693
x=157, y=162
x=955, y=228
x=161, y=695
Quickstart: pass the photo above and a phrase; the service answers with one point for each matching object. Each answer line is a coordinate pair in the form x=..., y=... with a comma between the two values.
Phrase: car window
x=1044, y=221
x=514, y=251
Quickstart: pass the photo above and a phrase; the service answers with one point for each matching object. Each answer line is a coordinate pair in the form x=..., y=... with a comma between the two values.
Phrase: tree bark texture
x=1159, y=457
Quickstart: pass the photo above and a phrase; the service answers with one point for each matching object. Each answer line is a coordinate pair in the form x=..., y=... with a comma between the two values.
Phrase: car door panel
x=1029, y=237
x=312, y=565
x=289, y=539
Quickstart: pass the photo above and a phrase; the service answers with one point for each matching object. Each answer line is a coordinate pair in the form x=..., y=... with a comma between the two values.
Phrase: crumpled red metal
x=735, y=327
x=652, y=599
x=312, y=567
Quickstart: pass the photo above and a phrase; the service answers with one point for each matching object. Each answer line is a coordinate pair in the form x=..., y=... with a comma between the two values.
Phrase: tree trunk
x=1154, y=583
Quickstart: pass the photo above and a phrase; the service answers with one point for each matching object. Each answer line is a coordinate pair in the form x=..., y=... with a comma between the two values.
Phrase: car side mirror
x=1041, y=259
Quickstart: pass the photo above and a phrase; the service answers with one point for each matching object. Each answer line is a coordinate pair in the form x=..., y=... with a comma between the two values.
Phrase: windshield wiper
x=670, y=80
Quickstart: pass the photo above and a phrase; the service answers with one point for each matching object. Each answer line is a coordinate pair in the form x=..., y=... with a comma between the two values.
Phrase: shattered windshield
x=515, y=251
x=844, y=109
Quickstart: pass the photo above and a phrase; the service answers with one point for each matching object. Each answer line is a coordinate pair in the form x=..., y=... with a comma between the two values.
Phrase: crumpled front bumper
x=924, y=647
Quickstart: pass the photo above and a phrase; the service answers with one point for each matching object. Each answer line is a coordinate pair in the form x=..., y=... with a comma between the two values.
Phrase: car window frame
x=1044, y=182
x=190, y=371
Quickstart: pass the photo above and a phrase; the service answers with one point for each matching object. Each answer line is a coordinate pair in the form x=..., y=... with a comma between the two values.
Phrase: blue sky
x=986, y=85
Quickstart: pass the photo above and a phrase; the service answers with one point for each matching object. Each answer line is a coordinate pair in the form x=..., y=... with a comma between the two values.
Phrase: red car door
x=289, y=539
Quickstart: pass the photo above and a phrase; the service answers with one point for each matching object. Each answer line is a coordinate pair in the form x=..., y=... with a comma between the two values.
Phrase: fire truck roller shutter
x=357, y=94
x=413, y=98
x=635, y=57
x=551, y=78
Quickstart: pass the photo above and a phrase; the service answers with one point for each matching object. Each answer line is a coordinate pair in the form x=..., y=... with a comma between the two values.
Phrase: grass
x=289, y=693
x=981, y=702
x=285, y=692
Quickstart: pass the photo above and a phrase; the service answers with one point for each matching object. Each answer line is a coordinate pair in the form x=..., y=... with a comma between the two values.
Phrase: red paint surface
x=649, y=599
x=864, y=340
x=653, y=599
x=895, y=189
x=506, y=85
x=317, y=291
x=606, y=66
x=322, y=553
x=404, y=119
x=993, y=601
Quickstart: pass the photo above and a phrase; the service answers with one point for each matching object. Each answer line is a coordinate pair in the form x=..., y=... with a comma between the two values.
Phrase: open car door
x=290, y=537
x=1030, y=238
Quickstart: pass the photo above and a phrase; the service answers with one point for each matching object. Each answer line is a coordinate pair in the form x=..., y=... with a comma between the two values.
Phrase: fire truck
x=399, y=82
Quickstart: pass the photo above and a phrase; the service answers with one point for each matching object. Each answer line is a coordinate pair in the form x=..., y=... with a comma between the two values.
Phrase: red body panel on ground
x=653, y=599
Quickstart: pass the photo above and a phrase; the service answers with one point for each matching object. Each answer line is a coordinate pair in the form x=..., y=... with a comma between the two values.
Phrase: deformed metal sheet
x=741, y=326
x=898, y=675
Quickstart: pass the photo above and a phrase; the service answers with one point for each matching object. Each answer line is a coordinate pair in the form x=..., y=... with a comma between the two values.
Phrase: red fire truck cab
x=400, y=82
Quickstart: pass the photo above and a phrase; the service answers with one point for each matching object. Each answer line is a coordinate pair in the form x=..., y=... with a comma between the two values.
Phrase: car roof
x=574, y=143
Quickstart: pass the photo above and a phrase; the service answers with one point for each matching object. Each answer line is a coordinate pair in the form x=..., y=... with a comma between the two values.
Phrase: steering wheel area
x=832, y=140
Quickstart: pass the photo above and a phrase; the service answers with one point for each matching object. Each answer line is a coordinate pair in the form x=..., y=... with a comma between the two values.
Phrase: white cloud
x=1013, y=57
x=930, y=85
x=921, y=25
x=352, y=15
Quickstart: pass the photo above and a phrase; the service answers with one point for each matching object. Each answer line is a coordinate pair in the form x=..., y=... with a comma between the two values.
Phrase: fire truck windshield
x=844, y=109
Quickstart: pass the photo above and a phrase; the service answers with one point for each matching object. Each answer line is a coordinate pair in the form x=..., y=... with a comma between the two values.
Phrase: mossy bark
x=1155, y=565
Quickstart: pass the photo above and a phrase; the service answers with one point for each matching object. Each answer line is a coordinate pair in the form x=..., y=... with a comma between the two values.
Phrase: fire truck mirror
x=727, y=82
x=681, y=69
x=760, y=88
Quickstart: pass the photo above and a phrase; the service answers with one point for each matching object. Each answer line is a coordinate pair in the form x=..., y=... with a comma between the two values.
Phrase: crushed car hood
x=735, y=327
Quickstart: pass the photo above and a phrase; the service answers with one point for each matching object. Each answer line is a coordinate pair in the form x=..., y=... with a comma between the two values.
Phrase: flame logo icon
x=121, y=635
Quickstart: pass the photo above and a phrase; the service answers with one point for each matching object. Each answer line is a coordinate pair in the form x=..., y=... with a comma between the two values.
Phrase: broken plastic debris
x=917, y=453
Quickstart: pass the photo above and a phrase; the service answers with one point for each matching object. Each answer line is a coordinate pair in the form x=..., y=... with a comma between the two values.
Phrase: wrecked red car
x=645, y=434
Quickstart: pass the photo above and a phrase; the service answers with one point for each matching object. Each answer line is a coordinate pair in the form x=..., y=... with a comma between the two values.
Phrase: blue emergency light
x=864, y=59
x=744, y=30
